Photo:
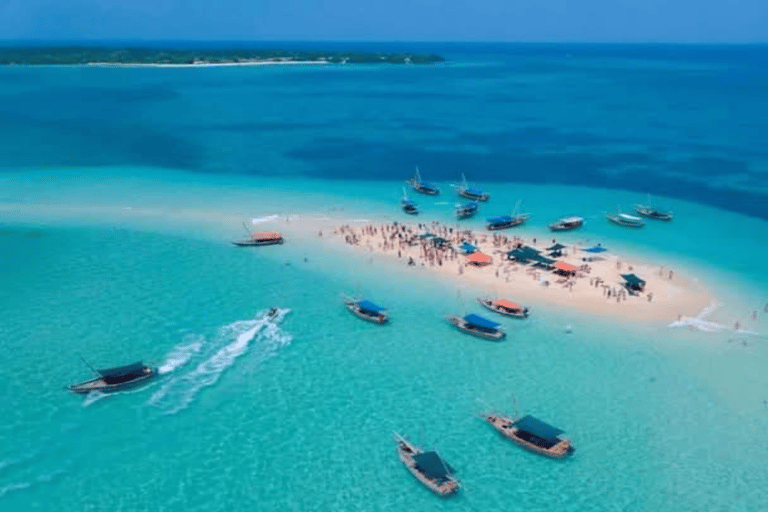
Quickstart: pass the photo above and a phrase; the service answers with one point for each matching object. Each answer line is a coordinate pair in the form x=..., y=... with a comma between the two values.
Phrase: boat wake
x=700, y=321
x=176, y=394
x=180, y=355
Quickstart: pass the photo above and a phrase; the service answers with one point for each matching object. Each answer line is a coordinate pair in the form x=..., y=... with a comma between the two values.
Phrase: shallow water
x=126, y=256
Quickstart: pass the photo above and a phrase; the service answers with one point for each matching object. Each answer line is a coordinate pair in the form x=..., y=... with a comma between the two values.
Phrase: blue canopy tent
x=468, y=248
x=595, y=249
x=367, y=305
x=481, y=323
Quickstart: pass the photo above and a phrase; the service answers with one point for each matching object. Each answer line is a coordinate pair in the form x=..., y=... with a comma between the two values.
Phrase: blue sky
x=385, y=20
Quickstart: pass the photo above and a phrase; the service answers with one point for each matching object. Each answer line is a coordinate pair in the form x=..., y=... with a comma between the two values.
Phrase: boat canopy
x=479, y=258
x=266, y=236
x=468, y=206
x=538, y=428
x=565, y=267
x=556, y=247
x=507, y=304
x=370, y=306
x=595, y=249
x=433, y=466
x=136, y=367
x=474, y=191
x=504, y=219
x=468, y=248
x=633, y=280
x=479, y=321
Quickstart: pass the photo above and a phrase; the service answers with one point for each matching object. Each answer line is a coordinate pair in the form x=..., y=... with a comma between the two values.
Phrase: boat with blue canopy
x=652, y=212
x=422, y=187
x=367, y=310
x=466, y=210
x=506, y=221
x=532, y=434
x=475, y=194
x=428, y=467
x=119, y=378
x=479, y=326
x=408, y=206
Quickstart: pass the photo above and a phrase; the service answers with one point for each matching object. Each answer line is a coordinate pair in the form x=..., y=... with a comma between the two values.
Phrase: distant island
x=197, y=57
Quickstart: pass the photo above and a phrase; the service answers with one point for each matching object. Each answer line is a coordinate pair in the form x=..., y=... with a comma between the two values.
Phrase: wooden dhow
x=652, y=213
x=367, y=310
x=532, y=434
x=427, y=467
x=260, y=238
x=408, y=206
x=504, y=307
x=422, y=187
x=466, y=210
x=479, y=326
x=567, y=224
x=627, y=221
x=472, y=193
x=119, y=378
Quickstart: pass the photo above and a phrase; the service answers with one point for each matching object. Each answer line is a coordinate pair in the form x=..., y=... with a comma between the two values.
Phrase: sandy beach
x=596, y=287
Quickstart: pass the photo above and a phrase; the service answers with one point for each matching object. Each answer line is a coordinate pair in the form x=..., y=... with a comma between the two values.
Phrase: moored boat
x=652, y=213
x=119, y=378
x=504, y=307
x=479, y=326
x=466, y=210
x=506, y=221
x=367, y=310
x=256, y=239
x=472, y=193
x=427, y=467
x=532, y=434
x=567, y=224
x=628, y=221
x=408, y=206
x=422, y=187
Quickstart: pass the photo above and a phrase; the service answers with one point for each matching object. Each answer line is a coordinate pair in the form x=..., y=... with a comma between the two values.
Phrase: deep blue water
x=676, y=120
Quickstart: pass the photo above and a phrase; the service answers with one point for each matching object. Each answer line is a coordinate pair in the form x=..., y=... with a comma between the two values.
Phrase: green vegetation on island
x=157, y=56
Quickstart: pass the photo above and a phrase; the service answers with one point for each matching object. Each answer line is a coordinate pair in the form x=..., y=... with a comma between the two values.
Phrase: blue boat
x=466, y=210
x=409, y=207
x=479, y=326
x=473, y=193
x=422, y=187
x=367, y=310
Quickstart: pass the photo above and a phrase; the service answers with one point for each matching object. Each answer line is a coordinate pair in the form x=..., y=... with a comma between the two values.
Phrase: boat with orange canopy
x=504, y=307
x=256, y=239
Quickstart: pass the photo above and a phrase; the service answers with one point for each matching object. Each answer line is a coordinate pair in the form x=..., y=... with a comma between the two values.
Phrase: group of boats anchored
x=435, y=473
x=472, y=324
x=476, y=195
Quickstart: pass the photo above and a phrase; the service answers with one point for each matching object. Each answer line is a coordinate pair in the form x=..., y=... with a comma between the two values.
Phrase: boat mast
x=246, y=228
x=87, y=364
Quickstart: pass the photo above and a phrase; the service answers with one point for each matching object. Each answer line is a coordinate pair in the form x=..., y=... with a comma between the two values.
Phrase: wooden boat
x=506, y=221
x=257, y=239
x=479, y=326
x=367, y=310
x=652, y=213
x=504, y=307
x=567, y=224
x=119, y=378
x=422, y=187
x=471, y=193
x=427, y=467
x=628, y=221
x=466, y=210
x=408, y=206
x=532, y=434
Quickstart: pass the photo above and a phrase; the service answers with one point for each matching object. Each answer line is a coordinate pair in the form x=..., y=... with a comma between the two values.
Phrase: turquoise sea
x=121, y=189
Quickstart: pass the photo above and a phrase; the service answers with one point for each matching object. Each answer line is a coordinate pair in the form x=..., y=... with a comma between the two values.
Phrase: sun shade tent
x=595, y=249
x=468, y=248
x=539, y=429
x=633, y=281
x=479, y=321
x=266, y=236
x=543, y=260
x=479, y=259
x=433, y=466
x=367, y=305
x=439, y=241
x=424, y=236
x=556, y=247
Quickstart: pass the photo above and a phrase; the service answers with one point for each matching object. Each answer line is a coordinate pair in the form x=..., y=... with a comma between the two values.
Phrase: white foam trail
x=178, y=393
x=14, y=487
x=93, y=397
x=179, y=356
x=45, y=478
x=700, y=322
x=269, y=218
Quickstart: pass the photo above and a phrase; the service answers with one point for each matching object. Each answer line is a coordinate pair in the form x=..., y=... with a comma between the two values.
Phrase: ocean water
x=121, y=189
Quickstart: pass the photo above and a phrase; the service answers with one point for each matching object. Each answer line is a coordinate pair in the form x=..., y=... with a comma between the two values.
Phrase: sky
x=688, y=21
